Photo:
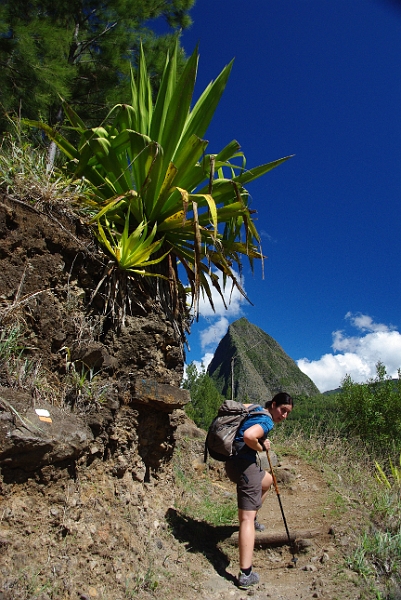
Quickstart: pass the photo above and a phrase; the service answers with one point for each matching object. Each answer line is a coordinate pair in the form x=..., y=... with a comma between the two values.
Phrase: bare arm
x=251, y=437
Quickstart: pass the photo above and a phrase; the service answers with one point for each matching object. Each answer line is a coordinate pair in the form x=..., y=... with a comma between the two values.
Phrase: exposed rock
x=111, y=389
x=166, y=397
x=29, y=442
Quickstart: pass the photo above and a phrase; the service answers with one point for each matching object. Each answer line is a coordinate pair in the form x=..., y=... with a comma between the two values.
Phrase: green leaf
x=204, y=109
x=149, y=172
x=65, y=146
x=178, y=108
x=254, y=173
x=164, y=96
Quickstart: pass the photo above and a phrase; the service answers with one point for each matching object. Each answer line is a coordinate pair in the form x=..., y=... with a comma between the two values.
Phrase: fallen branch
x=277, y=539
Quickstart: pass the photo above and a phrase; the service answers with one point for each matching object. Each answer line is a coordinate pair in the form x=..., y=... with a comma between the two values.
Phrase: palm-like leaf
x=131, y=251
x=148, y=161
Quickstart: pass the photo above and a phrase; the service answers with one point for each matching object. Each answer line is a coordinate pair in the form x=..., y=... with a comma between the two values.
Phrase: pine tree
x=81, y=50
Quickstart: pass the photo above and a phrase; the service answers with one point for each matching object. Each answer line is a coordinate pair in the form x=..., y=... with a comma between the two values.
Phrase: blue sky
x=320, y=79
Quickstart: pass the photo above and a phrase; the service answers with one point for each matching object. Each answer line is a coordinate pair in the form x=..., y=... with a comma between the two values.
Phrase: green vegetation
x=158, y=200
x=394, y=479
x=201, y=504
x=15, y=368
x=365, y=419
x=375, y=542
x=315, y=414
x=205, y=399
x=81, y=51
x=141, y=582
x=81, y=386
x=371, y=411
x=23, y=173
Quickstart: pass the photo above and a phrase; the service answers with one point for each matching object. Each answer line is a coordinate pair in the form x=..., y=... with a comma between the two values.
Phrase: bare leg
x=246, y=537
x=266, y=484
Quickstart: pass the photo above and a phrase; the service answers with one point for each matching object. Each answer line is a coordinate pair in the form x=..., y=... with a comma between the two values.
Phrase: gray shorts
x=248, y=477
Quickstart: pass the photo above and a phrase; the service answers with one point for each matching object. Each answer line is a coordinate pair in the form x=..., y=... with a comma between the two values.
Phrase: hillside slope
x=261, y=368
x=100, y=535
x=96, y=501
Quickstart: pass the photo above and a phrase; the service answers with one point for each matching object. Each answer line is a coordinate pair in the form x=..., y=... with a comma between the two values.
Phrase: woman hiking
x=252, y=481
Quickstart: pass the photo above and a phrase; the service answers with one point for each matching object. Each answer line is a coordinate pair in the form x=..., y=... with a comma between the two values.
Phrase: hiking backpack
x=221, y=433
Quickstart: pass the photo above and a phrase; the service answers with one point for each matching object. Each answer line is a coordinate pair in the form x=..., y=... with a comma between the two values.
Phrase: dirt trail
x=94, y=539
x=320, y=570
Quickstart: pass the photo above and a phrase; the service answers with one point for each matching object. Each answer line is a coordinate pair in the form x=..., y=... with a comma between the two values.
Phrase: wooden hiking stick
x=294, y=559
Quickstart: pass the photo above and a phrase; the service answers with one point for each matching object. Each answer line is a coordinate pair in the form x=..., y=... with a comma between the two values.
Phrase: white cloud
x=218, y=320
x=202, y=365
x=213, y=334
x=357, y=355
x=264, y=234
x=366, y=323
x=232, y=296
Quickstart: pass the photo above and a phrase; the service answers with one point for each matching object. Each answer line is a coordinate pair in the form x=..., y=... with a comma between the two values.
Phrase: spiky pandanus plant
x=159, y=199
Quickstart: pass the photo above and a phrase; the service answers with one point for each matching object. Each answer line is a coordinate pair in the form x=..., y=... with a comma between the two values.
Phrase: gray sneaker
x=245, y=581
x=259, y=526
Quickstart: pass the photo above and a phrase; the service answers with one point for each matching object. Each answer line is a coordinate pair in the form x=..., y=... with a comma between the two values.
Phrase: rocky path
x=320, y=570
x=100, y=539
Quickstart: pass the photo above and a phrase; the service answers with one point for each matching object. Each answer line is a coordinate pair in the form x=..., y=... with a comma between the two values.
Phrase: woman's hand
x=265, y=444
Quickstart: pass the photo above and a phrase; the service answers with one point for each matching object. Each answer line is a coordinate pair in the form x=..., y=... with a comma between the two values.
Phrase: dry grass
x=24, y=175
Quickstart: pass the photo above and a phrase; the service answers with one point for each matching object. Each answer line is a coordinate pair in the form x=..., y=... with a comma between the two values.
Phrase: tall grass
x=16, y=369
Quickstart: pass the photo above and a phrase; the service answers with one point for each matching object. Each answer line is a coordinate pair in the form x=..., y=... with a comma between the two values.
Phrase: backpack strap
x=263, y=411
x=239, y=446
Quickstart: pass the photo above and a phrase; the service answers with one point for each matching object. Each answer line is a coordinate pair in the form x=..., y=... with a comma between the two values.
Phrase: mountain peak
x=257, y=364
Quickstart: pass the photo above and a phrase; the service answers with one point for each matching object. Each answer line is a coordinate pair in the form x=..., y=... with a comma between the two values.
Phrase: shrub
x=372, y=411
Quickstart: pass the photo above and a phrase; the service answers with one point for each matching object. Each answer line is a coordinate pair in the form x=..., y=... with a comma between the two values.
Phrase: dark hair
x=280, y=399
